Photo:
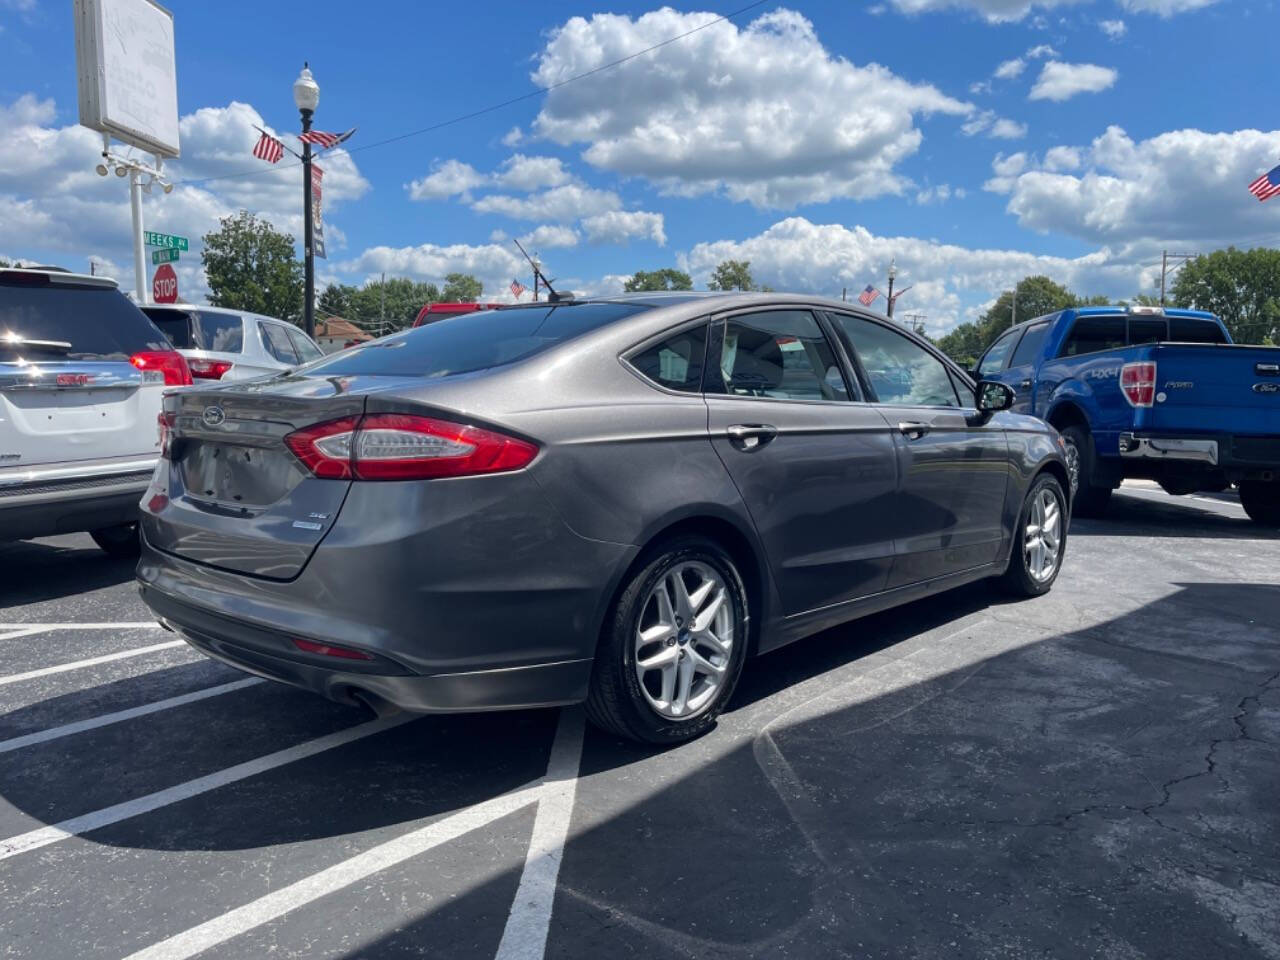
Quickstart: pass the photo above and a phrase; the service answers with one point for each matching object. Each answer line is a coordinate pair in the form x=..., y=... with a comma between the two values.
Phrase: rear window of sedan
x=472, y=341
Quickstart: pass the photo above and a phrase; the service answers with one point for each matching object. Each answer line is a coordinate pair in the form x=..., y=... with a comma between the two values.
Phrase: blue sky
x=1114, y=129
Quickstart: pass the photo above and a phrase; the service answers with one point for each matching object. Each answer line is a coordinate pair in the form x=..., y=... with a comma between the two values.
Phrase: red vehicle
x=438, y=311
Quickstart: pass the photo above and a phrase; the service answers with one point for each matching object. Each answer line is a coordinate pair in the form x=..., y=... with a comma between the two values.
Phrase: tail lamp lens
x=1138, y=383
x=164, y=428
x=208, y=369
x=328, y=650
x=393, y=446
x=169, y=363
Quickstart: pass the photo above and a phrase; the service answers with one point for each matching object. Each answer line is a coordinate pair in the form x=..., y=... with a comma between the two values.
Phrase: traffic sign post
x=165, y=240
x=164, y=255
x=164, y=287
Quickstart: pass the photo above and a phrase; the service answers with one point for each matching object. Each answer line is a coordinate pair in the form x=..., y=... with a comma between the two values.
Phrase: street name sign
x=154, y=239
x=164, y=255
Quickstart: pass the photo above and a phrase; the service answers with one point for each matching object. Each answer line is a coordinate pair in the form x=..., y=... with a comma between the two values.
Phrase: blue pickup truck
x=1160, y=394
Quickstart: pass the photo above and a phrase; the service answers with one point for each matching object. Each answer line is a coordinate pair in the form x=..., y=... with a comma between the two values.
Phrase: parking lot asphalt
x=1090, y=774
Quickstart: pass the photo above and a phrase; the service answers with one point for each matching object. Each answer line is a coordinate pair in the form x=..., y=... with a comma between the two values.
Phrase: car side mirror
x=993, y=396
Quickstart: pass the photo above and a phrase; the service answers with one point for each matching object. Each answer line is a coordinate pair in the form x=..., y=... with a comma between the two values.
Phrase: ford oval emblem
x=213, y=416
x=1265, y=387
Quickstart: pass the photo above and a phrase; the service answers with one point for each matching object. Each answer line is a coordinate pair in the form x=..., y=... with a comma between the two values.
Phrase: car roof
x=206, y=308
x=59, y=276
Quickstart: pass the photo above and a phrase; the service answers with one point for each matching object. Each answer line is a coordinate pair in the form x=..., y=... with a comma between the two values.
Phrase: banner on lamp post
x=317, y=221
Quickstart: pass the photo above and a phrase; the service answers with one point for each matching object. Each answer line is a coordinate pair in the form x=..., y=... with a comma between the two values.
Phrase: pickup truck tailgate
x=1215, y=388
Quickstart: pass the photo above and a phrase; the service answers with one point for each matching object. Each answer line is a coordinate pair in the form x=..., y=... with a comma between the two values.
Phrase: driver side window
x=899, y=369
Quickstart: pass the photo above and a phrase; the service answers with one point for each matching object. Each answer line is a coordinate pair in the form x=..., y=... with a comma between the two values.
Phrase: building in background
x=334, y=334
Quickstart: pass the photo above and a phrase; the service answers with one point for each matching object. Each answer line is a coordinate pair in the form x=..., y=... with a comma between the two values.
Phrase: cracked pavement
x=1090, y=774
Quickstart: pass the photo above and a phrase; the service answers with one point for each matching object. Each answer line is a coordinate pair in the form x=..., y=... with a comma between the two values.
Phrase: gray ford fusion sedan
x=616, y=499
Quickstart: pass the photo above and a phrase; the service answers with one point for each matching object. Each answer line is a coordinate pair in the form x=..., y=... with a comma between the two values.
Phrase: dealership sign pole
x=128, y=86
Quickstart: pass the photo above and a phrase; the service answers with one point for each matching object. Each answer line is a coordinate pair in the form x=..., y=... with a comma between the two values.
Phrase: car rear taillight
x=208, y=369
x=395, y=446
x=1138, y=383
x=328, y=650
x=170, y=363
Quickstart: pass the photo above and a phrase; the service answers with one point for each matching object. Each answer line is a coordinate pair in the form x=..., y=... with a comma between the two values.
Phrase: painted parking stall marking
x=91, y=661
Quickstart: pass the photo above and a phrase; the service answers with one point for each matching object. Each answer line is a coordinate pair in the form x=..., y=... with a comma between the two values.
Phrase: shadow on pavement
x=35, y=571
x=1141, y=516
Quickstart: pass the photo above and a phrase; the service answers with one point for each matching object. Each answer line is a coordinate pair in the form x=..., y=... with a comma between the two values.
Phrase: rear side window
x=177, y=326
x=306, y=350
x=1092, y=334
x=1192, y=330
x=276, y=340
x=220, y=331
x=781, y=354
x=473, y=341
x=994, y=360
x=676, y=362
x=1029, y=346
x=74, y=323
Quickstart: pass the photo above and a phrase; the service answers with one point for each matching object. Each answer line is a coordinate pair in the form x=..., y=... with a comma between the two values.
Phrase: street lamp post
x=306, y=94
x=893, y=272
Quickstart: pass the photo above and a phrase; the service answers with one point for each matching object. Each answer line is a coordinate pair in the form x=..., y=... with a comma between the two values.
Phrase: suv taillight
x=170, y=363
x=394, y=446
x=208, y=369
x=1138, y=383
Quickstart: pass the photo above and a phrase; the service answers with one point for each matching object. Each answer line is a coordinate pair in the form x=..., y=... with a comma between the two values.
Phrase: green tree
x=667, y=278
x=1242, y=287
x=251, y=266
x=732, y=275
x=335, y=300
x=397, y=300
x=461, y=288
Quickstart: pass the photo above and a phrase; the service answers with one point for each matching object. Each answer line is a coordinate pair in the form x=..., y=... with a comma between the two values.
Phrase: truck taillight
x=170, y=364
x=1138, y=383
x=395, y=446
x=208, y=369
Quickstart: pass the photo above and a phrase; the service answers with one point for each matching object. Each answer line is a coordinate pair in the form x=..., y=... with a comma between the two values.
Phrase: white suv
x=222, y=344
x=82, y=372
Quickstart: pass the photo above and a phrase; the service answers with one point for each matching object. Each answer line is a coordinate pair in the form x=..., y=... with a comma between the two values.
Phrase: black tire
x=1087, y=499
x=615, y=702
x=1017, y=579
x=1261, y=501
x=121, y=542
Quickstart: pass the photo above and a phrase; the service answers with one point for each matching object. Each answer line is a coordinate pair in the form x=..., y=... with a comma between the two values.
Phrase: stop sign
x=164, y=288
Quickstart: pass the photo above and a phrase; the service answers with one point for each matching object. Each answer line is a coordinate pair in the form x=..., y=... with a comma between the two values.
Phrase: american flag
x=517, y=288
x=324, y=140
x=1267, y=185
x=269, y=149
x=868, y=296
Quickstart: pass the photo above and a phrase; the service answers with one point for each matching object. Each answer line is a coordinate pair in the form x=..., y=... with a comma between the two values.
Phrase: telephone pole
x=1164, y=267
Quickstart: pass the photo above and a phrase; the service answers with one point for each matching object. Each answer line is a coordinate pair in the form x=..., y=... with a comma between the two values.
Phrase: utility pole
x=382, y=313
x=916, y=322
x=893, y=272
x=844, y=294
x=1164, y=267
x=1013, y=313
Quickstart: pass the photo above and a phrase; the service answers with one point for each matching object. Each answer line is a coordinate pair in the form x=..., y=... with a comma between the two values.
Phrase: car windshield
x=60, y=321
x=473, y=341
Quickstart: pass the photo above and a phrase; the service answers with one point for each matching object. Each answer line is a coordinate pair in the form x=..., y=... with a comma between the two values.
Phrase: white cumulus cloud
x=563, y=204
x=1060, y=81
x=618, y=226
x=1115, y=29
x=550, y=235
x=763, y=113
x=449, y=179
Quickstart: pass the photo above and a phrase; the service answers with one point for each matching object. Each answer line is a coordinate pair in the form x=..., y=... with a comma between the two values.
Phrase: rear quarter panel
x=1092, y=383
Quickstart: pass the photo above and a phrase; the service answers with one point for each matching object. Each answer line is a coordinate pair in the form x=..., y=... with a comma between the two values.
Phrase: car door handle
x=912, y=429
x=1026, y=384
x=751, y=436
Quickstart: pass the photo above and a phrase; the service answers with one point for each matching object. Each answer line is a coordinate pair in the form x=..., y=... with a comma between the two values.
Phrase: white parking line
x=525, y=935
x=106, y=719
x=41, y=627
x=337, y=877
x=75, y=826
x=91, y=662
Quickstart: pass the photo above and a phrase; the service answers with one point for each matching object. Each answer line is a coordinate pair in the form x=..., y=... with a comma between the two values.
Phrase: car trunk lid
x=236, y=497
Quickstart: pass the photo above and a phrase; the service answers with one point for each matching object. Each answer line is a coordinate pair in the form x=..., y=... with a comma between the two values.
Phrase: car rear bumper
x=44, y=507
x=382, y=683
x=487, y=612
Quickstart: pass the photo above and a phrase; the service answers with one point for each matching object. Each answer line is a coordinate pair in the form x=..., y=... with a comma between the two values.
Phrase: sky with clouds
x=975, y=141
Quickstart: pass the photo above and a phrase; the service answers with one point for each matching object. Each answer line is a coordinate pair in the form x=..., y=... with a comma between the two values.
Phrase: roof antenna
x=552, y=296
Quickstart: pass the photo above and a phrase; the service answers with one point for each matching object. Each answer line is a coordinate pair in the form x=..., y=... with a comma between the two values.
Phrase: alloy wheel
x=1042, y=540
x=684, y=640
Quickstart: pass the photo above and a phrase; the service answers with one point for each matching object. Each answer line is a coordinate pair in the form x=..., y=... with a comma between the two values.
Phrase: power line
x=248, y=174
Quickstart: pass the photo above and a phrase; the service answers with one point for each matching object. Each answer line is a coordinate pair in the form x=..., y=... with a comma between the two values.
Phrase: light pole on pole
x=306, y=95
x=141, y=177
